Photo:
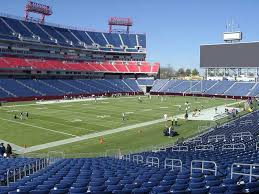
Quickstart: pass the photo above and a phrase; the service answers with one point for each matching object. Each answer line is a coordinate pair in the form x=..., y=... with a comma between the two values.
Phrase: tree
x=181, y=72
x=188, y=72
x=195, y=72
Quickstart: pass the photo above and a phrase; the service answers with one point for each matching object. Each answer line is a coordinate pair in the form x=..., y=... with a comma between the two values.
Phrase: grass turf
x=48, y=123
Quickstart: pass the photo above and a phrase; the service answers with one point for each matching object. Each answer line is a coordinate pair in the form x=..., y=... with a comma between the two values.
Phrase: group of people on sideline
x=7, y=151
x=22, y=115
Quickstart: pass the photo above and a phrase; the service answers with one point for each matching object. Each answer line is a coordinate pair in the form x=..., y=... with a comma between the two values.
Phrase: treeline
x=170, y=72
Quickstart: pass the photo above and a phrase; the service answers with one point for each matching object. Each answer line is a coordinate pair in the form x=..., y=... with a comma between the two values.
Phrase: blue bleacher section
x=142, y=40
x=57, y=87
x=202, y=86
x=98, y=38
x=208, y=87
x=36, y=30
x=48, y=34
x=15, y=88
x=113, y=39
x=255, y=90
x=12, y=163
x=161, y=171
x=5, y=30
x=132, y=84
x=82, y=36
x=240, y=89
x=17, y=26
x=171, y=85
x=147, y=82
x=158, y=84
x=220, y=87
x=129, y=40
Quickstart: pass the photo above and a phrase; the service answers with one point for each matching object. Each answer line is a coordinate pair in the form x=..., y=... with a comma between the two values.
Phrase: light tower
x=116, y=21
x=32, y=7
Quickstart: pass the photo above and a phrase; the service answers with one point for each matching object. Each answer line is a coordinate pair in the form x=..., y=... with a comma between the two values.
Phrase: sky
x=175, y=28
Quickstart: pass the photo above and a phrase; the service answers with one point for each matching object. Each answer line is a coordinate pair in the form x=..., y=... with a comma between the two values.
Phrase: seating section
x=207, y=87
x=13, y=163
x=220, y=87
x=233, y=142
x=255, y=90
x=10, y=88
x=240, y=89
x=46, y=34
x=169, y=170
x=147, y=82
x=56, y=65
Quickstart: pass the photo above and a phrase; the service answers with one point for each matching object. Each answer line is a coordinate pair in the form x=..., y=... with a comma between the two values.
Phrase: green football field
x=54, y=122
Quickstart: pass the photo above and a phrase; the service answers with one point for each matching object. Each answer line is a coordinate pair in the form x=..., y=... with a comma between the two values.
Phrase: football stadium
x=93, y=111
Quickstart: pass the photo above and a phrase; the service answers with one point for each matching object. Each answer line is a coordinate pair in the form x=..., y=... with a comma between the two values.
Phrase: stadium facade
x=36, y=56
x=31, y=48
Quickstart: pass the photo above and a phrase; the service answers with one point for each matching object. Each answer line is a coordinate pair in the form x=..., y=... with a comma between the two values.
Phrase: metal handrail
x=250, y=174
x=126, y=157
x=154, y=161
x=138, y=158
x=234, y=146
x=202, y=166
x=241, y=135
x=180, y=149
x=216, y=138
x=204, y=147
x=172, y=164
x=27, y=169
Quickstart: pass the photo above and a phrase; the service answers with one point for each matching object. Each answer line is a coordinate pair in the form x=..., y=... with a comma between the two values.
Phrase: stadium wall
x=33, y=98
x=199, y=95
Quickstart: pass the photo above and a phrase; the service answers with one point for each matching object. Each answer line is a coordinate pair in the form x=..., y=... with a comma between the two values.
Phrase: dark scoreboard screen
x=230, y=55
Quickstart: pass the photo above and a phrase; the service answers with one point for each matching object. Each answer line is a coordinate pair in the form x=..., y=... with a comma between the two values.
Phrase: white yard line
x=73, y=127
x=54, y=131
x=89, y=136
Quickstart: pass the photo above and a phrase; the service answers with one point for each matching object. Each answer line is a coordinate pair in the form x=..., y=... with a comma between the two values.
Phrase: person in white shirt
x=123, y=116
x=165, y=117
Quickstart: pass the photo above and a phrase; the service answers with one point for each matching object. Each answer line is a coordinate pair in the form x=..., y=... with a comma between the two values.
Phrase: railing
x=138, y=159
x=250, y=174
x=216, y=138
x=197, y=139
x=241, y=135
x=114, y=153
x=159, y=149
x=153, y=161
x=231, y=124
x=234, y=146
x=246, y=122
x=55, y=156
x=126, y=157
x=180, y=149
x=173, y=163
x=204, y=147
x=202, y=168
x=14, y=174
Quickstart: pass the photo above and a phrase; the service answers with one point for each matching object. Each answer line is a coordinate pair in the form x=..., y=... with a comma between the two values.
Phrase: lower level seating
x=208, y=87
x=60, y=87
